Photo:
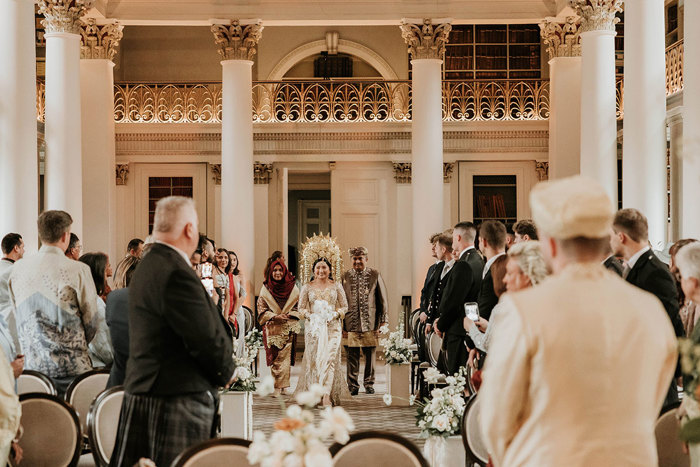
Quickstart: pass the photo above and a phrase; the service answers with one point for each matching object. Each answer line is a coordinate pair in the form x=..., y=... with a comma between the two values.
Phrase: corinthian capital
x=562, y=40
x=425, y=39
x=99, y=41
x=63, y=15
x=597, y=15
x=237, y=40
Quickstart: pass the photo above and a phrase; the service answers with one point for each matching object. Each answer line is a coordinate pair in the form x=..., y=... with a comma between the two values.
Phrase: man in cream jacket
x=580, y=364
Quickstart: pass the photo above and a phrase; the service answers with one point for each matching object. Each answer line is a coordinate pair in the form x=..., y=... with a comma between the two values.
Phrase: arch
x=344, y=46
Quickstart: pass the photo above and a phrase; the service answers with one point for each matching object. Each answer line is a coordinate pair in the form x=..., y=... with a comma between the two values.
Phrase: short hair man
x=443, y=249
x=55, y=304
x=75, y=248
x=135, y=248
x=12, y=251
x=492, y=243
x=179, y=347
x=425, y=294
x=367, y=312
x=565, y=346
x=525, y=230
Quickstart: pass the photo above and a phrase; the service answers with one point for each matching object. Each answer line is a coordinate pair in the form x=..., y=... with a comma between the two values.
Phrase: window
x=160, y=187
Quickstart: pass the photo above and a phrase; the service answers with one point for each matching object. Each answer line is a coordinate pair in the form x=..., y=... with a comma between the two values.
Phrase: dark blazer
x=179, y=343
x=487, y=296
x=652, y=275
x=117, y=317
x=437, y=287
x=462, y=287
x=614, y=264
x=425, y=291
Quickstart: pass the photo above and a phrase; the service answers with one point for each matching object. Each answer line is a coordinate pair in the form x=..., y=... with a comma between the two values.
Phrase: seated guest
x=492, y=243
x=689, y=311
x=525, y=230
x=55, y=302
x=100, y=348
x=74, y=248
x=179, y=349
x=117, y=318
x=562, y=350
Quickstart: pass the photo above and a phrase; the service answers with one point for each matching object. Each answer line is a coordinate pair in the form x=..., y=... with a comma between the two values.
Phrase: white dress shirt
x=447, y=268
x=635, y=257
x=488, y=264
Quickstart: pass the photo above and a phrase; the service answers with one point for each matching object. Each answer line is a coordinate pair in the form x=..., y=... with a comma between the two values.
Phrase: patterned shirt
x=56, y=311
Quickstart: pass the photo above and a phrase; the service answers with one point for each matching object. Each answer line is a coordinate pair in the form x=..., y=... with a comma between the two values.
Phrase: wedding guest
x=179, y=352
x=55, y=304
x=479, y=330
x=613, y=263
x=74, y=248
x=276, y=255
x=279, y=318
x=562, y=350
x=492, y=243
x=135, y=248
x=525, y=230
x=689, y=311
x=206, y=246
x=443, y=252
x=221, y=280
x=426, y=292
x=100, y=348
x=12, y=251
x=10, y=414
x=510, y=236
x=117, y=319
x=195, y=261
x=367, y=312
x=238, y=295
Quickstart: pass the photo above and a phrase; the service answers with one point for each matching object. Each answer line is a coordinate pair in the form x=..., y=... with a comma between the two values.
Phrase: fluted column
x=99, y=46
x=237, y=42
x=63, y=168
x=19, y=167
x=564, y=50
x=691, y=121
x=598, y=108
x=675, y=126
x=426, y=41
x=644, y=138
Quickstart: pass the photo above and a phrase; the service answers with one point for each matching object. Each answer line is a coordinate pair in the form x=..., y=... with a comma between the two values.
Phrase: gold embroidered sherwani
x=576, y=374
x=279, y=332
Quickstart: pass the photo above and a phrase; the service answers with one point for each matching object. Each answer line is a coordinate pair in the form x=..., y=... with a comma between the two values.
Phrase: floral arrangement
x=320, y=246
x=254, y=341
x=297, y=439
x=243, y=377
x=690, y=365
x=441, y=414
x=397, y=349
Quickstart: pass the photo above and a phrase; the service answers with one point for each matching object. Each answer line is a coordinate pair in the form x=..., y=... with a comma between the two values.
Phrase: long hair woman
x=100, y=348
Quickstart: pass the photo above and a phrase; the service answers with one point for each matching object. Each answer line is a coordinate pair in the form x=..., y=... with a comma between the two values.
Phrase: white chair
x=377, y=448
x=249, y=319
x=103, y=423
x=83, y=390
x=34, y=381
x=472, y=437
x=668, y=441
x=434, y=346
x=215, y=453
x=51, y=431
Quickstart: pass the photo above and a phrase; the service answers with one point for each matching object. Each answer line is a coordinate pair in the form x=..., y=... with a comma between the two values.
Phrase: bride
x=323, y=304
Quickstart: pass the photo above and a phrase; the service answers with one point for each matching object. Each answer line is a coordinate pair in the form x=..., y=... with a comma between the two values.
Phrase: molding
x=597, y=15
x=262, y=173
x=447, y=170
x=344, y=46
x=216, y=173
x=542, y=169
x=63, y=15
x=122, y=173
x=402, y=172
x=424, y=39
x=562, y=39
x=237, y=41
x=99, y=41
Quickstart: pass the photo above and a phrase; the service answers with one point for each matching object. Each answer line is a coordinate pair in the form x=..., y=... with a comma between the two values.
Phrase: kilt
x=160, y=428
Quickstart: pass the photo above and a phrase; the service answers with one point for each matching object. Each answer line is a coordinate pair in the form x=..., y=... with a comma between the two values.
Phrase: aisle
x=368, y=411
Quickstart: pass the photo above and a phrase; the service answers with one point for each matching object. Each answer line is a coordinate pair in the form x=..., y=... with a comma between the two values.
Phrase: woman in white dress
x=323, y=304
x=238, y=295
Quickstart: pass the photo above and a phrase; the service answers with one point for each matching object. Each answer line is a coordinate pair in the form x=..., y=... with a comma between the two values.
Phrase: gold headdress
x=320, y=246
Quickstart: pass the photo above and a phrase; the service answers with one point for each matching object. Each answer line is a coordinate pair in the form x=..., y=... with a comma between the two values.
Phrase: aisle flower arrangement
x=244, y=379
x=690, y=365
x=396, y=348
x=298, y=440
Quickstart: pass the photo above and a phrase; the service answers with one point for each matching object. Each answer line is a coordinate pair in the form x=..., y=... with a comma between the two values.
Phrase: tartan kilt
x=160, y=428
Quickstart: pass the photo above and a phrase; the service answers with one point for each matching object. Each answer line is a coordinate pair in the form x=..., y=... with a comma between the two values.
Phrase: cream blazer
x=577, y=371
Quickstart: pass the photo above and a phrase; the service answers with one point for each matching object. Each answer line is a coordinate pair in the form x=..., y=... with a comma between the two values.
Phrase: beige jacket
x=577, y=372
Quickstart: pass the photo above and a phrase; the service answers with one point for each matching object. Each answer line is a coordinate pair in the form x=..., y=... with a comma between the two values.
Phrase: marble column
x=426, y=41
x=598, y=108
x=63, y=168
x=237, y=42
x=19, y=167
x=564, y=50
x=675, y=126
x=691, y=122
x=644, y=137
x=99, y=46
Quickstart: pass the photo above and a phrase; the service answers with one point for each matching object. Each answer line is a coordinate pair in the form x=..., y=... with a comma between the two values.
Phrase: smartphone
x=471, y=311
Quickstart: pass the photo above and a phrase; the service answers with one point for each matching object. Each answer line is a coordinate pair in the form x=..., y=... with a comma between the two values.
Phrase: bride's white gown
x=321, y=361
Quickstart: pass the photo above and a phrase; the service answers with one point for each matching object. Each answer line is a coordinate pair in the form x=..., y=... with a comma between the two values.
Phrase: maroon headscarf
x=282, y=289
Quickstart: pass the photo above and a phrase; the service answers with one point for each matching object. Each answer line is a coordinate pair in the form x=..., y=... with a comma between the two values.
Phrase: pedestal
x=445, y=452
x=237, y=414
x=398, y=381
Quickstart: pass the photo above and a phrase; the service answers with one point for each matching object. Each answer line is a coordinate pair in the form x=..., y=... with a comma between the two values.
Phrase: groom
x=367, y=309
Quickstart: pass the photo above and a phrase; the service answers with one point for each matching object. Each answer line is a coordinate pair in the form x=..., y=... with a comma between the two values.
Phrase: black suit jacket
x=437, y=287
x=614, y=264
x=117, y=317
x=487, y=296
x=462, y=287
x=426, y=291
x=652, y=275
x=179, y=343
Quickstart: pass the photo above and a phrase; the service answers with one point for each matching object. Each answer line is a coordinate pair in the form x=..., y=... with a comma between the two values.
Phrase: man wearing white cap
x=580, y=364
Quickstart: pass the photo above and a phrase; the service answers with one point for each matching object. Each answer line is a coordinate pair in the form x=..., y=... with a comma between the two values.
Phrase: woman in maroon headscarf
x=277, y=314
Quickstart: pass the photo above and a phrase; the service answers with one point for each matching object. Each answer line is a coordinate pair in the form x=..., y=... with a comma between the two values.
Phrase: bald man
x=180, y=349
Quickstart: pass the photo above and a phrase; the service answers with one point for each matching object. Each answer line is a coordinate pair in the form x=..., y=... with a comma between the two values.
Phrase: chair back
x=472, y=437
x=377, y=448
x=434, y=346
x=414, y=321
x=215, y=453
x=249, y=319
x=34, y=381
x=668, y=442
x=83, y=390
x=103, y=422
x=51, y=431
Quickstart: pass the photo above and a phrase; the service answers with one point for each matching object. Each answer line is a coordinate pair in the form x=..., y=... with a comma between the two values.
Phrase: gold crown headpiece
x=320, y=246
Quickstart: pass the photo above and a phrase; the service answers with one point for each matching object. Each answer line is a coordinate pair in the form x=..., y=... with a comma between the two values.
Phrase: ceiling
x=324, y=12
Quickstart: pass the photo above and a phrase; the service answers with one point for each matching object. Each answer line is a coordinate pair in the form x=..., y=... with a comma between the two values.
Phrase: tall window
x=160, y=187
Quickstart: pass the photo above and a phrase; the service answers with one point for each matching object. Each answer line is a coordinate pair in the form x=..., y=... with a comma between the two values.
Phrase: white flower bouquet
x=441, y=414
x=297, y=439
x=396, y=347
x=243, y=375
